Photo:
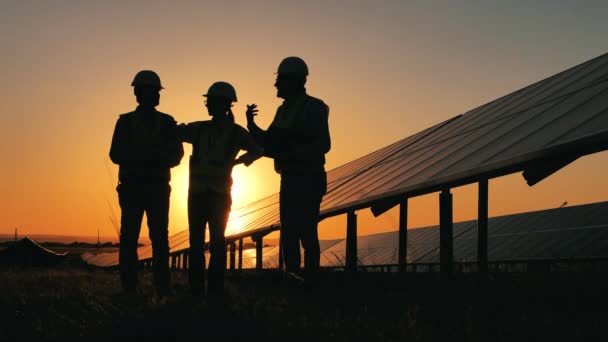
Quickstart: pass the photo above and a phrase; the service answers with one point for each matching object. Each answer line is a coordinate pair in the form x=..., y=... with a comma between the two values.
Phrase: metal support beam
x=446, y=234
x=281, y=261
x=482, y=227
x=258, y=253
x=240, y=253
x=232, y=255
x=403, y=234
x=185, y=263
x=351, y=242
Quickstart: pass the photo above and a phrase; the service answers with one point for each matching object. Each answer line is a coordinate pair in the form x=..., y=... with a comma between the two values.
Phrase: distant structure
x=564, y=204
x=27, y=252
x=15, y=234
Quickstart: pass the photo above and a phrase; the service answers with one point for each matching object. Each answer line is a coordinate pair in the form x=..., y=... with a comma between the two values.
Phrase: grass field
x=77, y=302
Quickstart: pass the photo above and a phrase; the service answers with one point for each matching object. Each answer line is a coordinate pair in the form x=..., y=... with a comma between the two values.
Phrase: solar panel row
x=569, y=232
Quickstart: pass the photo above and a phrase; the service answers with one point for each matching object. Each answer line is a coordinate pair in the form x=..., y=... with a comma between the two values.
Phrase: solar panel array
x=570, y=232
x=578, y=231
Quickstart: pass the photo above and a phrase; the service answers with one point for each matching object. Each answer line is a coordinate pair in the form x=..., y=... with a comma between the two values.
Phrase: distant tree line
x=79, y=244
x=72, y=244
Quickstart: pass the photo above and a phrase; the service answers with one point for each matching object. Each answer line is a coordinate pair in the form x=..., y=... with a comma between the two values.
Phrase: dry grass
x=74, y=302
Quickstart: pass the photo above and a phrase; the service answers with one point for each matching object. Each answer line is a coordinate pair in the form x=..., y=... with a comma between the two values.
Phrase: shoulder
x=240, y=128
x=315, y=101
x=202, y=124
x=124, y=119
x=194, y=125
x=125, y=116
x=316, y=104
x=317, y=108
x=166, y=117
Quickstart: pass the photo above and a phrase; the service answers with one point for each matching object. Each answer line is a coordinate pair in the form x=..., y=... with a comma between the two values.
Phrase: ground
x=79, y=302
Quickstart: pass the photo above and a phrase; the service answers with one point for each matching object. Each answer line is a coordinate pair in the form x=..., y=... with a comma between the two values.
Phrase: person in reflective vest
x=215, y=146
x=297, y=139
x=145, y=147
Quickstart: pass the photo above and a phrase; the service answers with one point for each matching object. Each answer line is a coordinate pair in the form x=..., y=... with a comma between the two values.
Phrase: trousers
x=300, y=202
x=153, y=200
x=208, y=208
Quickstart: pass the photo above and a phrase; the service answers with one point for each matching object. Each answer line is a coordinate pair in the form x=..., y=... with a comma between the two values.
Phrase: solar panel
x=574, y=232
x=578, y=231
x=563, y=115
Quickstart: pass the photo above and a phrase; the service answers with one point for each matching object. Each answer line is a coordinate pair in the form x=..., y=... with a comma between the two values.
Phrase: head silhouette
x=218, y=106
x=147, y=96
x=146, y=87
x=219, y=99
x=291, y=77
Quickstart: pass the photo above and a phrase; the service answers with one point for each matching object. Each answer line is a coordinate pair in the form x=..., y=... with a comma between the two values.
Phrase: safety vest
x=287, y=117
x=213, y=153
x=144, y=133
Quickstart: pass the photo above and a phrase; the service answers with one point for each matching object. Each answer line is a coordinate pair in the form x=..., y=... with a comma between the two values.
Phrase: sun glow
x=179, y=197
x=244, y=189
x=243, y=192
x=235, y=224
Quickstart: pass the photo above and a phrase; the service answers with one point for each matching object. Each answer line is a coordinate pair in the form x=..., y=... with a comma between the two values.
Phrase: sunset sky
x=387, y=69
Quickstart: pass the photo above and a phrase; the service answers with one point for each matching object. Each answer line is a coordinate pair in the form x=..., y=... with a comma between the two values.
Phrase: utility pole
x=15, y=234
x=98, y=242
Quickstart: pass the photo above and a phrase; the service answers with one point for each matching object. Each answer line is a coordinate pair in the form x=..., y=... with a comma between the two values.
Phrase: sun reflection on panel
x=235, y=224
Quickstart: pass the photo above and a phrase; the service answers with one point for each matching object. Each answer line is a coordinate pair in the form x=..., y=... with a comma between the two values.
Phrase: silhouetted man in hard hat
x=215, y=146
x=145, y=147
x=297, y=139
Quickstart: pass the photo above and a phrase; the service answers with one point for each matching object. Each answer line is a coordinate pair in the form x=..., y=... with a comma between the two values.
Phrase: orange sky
x=387, y=69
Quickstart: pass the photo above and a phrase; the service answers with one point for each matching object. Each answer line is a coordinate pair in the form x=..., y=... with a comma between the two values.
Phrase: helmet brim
x=225, y=97
x=148, y=85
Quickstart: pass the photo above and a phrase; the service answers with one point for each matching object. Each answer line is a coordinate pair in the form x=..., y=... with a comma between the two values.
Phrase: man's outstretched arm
x=174, y=150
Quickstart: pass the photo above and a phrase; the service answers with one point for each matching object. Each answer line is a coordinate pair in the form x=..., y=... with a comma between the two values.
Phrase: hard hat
x=293, y=65
x=222, y=89
x=147, y=78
